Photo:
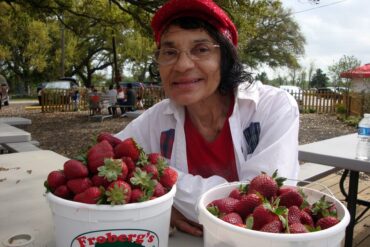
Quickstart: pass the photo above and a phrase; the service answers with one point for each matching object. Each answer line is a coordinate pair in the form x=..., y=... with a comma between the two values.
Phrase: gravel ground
x=71, y=133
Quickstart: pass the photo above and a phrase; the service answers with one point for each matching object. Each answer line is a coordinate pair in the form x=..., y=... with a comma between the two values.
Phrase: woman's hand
x=183, y=224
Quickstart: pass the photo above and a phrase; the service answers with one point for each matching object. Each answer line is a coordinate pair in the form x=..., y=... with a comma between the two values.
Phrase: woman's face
x=188, y=81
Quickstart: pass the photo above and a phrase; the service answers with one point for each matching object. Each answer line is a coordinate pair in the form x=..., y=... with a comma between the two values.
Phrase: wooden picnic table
x=10, y=133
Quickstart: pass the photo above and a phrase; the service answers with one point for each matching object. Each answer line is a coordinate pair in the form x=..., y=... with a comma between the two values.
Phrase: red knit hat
x=205, y=10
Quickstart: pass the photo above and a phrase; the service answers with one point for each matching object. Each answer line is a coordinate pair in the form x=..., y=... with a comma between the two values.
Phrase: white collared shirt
x=264, y=128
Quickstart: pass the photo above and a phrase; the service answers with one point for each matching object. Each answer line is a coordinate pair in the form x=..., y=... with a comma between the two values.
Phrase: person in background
x=75, y=99
x=112, y=95
x=94, y=102
x=216, y=125
x=139, y=103
x=121, y=98
x=131, y=97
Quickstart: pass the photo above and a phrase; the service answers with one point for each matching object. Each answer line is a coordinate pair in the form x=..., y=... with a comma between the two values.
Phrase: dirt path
x=71, y=133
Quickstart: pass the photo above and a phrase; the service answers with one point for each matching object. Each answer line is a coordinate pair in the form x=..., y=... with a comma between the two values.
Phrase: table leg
x=351, y=205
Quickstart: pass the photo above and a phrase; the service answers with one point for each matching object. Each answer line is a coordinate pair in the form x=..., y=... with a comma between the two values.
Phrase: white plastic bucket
x=136, y=224
x=218, y=233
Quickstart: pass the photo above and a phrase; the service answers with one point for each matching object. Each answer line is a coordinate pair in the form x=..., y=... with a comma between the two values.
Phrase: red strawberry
x=266, y=185
x=297, y=228
x=291, y=198
x=79, y=185
x=99, y=181
x=327, y=222
x=129, y=163
x=75, y=169
x=247, y=204
x=128, y=148
x=151, y=169
x=97, y=154
x=124, y=170
x=154, y=158
x=55, y=179
x=118, y=192
x=274, y=226
x=224, y=205
x=294, y=215
x=284, y=189
x=308, y=210
x=262, y=215
x=159, y=190
x=108, y=137
x=137, y=195
x=306, y=219
x=63, y=192
x=239, y=192
x=168, y=177
x=232, y=218
x=91, y=195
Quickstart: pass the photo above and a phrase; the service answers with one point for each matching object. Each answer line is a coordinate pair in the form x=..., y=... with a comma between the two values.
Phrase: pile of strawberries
x=112, y=172
x=265, y=205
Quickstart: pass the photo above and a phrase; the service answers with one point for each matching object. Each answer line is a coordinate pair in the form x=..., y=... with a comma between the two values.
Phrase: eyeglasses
x=201, y=51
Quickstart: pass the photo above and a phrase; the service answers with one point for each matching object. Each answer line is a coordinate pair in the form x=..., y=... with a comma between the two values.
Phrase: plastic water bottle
x=363, y=144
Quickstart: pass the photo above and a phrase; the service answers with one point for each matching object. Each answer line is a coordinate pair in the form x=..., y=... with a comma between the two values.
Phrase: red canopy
x=359, y=72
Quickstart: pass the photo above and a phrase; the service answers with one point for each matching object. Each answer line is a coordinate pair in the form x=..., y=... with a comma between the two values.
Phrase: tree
x=302, y=79
x=311, y=69
x=24, y=45
x=262, y=77
x=268, y=34
x=319, y=79
x=345, y=63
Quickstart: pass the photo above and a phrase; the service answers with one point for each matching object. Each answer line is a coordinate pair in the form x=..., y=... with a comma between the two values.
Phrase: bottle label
x=364, y=131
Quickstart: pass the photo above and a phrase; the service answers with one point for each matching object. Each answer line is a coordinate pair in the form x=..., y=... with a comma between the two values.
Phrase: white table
x=15, y=121
x=24, y=208
x=340, y=152
x=10, y=133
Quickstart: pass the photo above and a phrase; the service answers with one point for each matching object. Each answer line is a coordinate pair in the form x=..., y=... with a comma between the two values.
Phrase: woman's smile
x=186, y=83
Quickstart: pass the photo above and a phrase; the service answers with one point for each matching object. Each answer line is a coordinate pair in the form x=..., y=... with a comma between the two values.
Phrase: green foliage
x=341, y=109
x=352, y=120
x=319, y=79
x=309, y=110
x=345, y=63
x=268, y=35
x=24, y=46
x=262, y=77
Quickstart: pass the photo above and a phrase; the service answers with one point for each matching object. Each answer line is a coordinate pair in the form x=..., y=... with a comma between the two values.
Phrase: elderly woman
x=216, y=125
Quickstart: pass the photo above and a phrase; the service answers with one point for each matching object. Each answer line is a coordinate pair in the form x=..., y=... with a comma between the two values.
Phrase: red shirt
x=211, y=158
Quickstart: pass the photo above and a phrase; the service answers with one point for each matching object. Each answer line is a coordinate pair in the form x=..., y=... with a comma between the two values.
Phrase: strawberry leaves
x=111, y=169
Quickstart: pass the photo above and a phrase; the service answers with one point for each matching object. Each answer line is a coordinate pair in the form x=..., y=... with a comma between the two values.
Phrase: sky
x=332, y=29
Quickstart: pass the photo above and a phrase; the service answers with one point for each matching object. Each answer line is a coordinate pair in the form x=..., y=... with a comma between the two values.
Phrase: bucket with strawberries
x=264, y=212
x=115, y=195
